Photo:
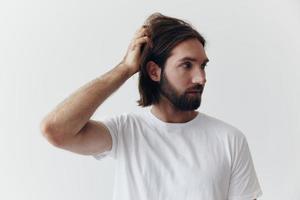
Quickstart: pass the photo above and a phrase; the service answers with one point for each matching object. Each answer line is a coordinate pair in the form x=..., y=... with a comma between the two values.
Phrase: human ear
x=153, y=71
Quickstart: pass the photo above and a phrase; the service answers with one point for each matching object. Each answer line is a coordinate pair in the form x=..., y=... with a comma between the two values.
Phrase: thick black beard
x=180, y=102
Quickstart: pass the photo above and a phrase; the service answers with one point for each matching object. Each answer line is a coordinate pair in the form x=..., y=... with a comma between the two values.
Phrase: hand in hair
x=133, y=54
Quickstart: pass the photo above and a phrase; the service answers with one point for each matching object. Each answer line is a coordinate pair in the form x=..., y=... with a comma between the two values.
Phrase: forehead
x=188, y=48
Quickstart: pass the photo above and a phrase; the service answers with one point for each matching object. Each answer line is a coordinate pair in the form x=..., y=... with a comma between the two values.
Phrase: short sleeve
x=113, y=124
x=244, y=183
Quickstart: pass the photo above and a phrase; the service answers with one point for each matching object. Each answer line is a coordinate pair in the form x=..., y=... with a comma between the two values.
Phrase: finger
x=142, y=32
x=138, y=42
x=142, y=40
x=141, y=29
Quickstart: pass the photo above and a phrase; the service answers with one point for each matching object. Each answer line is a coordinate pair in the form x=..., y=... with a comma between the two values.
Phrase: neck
x=167, y=113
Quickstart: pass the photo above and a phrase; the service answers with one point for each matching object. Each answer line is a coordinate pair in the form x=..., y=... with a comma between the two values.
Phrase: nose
x=199, y=77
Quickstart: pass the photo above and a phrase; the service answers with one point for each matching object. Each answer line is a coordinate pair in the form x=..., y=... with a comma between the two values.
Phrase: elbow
x=52, y=136
x=44, y=127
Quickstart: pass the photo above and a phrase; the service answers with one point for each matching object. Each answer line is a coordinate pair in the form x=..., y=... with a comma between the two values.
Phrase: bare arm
x=69, y=126
x=71, y=115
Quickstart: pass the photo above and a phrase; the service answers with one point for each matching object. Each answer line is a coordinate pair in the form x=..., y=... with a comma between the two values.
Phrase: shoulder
x=222, y=127
x=125, y=117
x=233, y=138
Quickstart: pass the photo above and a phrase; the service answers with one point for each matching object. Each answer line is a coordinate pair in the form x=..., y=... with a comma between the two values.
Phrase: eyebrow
x=187, y=58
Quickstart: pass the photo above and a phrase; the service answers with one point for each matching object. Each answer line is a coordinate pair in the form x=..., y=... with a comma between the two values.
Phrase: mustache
x=197, y=87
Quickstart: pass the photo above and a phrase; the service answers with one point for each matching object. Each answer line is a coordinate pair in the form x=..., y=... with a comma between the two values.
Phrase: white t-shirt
x=204, y=158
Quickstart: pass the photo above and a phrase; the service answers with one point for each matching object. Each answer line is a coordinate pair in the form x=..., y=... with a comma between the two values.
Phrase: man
x=171, y=152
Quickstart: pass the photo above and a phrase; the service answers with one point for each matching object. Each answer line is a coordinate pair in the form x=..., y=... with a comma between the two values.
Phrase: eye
x=203, y=66
x=187, y=65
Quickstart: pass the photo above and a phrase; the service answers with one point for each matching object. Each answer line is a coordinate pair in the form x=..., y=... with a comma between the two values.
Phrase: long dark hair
x=165, y=33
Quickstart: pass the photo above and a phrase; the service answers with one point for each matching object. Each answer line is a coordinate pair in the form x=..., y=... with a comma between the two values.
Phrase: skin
x=179, y=78
x=68, y=125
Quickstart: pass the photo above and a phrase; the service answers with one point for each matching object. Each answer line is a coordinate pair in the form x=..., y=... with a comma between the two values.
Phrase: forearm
x=70, y=116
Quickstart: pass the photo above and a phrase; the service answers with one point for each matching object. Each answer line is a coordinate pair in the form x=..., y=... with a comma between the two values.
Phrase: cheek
x=177, y=75
x=180, y=84
x=178, y=80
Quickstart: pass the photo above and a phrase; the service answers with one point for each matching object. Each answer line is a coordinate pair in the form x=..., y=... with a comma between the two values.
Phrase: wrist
x=128, y=70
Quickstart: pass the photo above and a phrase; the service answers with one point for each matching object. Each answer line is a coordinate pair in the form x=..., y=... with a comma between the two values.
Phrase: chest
x=179, y=159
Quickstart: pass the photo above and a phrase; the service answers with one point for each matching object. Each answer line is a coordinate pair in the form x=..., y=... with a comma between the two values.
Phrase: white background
x=48, y=49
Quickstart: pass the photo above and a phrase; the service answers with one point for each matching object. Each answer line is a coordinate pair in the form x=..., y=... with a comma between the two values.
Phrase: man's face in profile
x=183, y=101
x=182, y=81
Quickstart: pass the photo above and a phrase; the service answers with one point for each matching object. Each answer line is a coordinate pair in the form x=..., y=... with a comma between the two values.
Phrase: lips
x=198, y=89
x=194, y=91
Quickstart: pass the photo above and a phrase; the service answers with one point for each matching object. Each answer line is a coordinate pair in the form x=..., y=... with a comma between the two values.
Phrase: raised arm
x=69, y=126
